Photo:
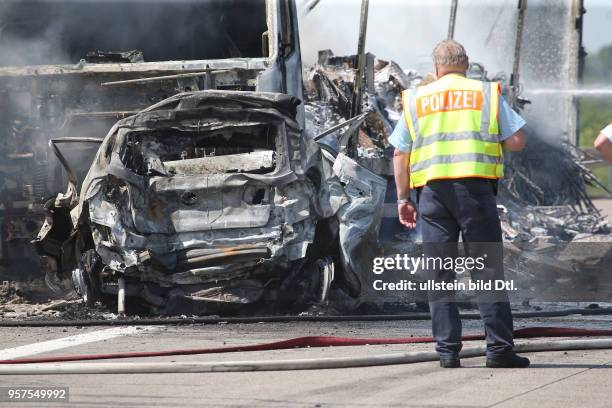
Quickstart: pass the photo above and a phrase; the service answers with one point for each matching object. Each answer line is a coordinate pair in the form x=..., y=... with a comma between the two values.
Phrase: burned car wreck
x=211, y=200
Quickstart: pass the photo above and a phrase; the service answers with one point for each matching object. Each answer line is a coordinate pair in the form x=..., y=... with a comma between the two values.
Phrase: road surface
x=560, y=379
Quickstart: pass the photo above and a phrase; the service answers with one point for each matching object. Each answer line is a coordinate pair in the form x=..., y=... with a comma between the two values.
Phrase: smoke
x=34, y=32
x=394, y=29
x=16, y=51
x=407, y=31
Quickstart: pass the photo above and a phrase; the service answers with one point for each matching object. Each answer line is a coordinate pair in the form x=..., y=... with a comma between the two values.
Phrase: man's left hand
x=407, y=214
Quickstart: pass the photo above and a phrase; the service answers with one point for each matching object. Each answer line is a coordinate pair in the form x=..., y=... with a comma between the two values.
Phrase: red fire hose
x=311, y=341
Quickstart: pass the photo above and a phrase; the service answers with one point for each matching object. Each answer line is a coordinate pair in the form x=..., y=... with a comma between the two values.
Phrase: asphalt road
x=560, y=379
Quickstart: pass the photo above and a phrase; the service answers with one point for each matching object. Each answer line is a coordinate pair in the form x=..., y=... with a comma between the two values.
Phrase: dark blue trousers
x=448, y=208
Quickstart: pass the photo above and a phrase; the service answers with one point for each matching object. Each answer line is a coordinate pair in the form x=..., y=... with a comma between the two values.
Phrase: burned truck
x=208, y=194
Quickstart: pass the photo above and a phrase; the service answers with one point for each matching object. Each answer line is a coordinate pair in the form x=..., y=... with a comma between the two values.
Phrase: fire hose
x=285, y=365
x=44, y=365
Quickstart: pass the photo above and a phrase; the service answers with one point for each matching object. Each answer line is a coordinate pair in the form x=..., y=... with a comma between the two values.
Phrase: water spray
x=599, y=92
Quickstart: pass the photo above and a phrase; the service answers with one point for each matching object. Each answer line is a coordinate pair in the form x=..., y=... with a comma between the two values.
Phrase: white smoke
x=406, y=31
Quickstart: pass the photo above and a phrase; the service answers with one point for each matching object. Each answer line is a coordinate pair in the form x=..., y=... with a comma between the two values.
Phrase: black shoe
x=510, y=360
x=450, y=362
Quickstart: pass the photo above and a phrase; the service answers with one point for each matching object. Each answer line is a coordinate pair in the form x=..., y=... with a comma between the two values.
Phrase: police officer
x=449, y=147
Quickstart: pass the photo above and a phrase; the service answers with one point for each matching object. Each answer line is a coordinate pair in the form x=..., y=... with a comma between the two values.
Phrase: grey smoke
x=34, y=32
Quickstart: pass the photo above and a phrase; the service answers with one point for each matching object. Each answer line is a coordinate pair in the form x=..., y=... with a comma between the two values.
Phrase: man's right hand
x=407, y=214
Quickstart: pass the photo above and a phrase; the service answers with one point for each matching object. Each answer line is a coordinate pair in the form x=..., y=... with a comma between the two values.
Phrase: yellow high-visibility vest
x=453, y=123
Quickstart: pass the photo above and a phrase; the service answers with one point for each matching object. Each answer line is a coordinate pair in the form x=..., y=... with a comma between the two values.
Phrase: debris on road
x=537, y=211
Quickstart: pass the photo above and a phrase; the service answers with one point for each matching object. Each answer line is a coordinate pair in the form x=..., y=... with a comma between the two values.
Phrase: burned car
x=211, y=200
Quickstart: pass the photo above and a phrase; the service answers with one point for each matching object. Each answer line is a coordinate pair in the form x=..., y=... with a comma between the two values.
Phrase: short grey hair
x=449, y=53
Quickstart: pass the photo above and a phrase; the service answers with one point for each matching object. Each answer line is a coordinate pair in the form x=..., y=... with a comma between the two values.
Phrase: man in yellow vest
x=449, y=147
